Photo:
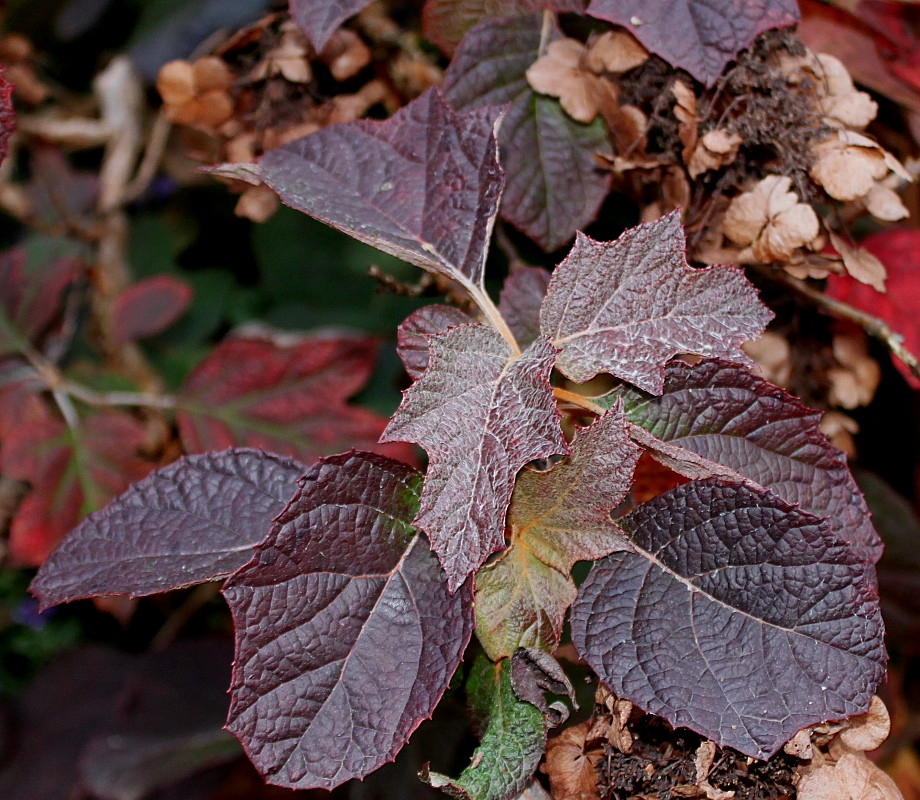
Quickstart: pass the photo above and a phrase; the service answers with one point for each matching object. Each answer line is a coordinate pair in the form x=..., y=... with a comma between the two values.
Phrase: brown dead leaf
x=843, y=103
x=853, y=383
x=800, y=745
x=176, y=82
x=685, y=110
x=853, y=777
x=868, y=731
x=560, y=74
x=885, y=204
x=860, y=263
x=839, y=429
x=345, y=54
x=571, y=765
x=716, y=149
x=848, y=164
x=257, y=203
x=616, y=52
x=772, y=355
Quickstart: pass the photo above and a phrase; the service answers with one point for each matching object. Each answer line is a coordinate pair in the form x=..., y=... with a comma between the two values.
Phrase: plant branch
x=574, y=399
x=493, y=315
x=140, y=399
x=874, y=326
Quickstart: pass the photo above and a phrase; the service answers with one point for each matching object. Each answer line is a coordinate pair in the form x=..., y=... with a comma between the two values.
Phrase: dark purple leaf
x=731, y=417
x=520, y=301
x=700, y=36
x=445, y=22
x=282, y=392
x=481, y=414
x=347, y=634
x=319, y=19
x=738, y=616
x=7, y=115
x=149, y=307
x=553, y=185
x=412, y=335
x=627, y=307
x=423, y=185
x=193, y=521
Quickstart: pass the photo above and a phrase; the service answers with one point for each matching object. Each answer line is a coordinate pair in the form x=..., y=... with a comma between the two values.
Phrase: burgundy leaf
x=196, y=520
x=445, y=22
x=520, y=301
x=627, y=307
x=738, y=616
x=30, y=297
x=481, y=414
x=347, y=634
x=69, y=472
x=700, y=36
x=319, y=19
x=553, y=185
x=731, y=417
x=58, y=193
x=412, y=335
x=149, y=307
x=285, y=393
x=423, y=185
x=7, y=115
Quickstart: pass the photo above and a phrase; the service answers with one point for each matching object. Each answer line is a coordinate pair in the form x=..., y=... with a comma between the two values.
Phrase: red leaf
x=149, y=307
x=7, y=115
x=700, y=36
x=284, y=393
x=898, y=250
x=70, y=472
x=520, y=300
x=319, y=19
x=412, y=335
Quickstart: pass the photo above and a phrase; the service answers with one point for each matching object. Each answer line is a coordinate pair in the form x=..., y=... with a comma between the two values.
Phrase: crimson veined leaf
x=520, y=300
x=445, y=21
x=513, y=739
x=346, y=632
x=148, y=307
x=627, y=307
x=737, y=615
x=556, y=518
x=195, y=520
x=731, y=417
x=282, y=392
x=319, y=19
x=700, y=36
x=553, y=185
x=481, y=414
x=423, y=185
x=412, y=335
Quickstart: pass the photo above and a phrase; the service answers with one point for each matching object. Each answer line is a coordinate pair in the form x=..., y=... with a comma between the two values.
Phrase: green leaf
x=512, y=742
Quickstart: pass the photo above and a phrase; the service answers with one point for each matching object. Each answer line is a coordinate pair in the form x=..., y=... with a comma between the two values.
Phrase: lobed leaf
x=627, y=307
x=512, y=742
x=553, y=185
x=556, y=518
x=285, y=393
x=346, y=632
x=731, y=417
x=481, y=414
x=520, y=300
x=700, y=36
x=149, y=307
x=412, y=335
x=195, y=520
x=319, y=19
x=423, y=185
x=737, y=615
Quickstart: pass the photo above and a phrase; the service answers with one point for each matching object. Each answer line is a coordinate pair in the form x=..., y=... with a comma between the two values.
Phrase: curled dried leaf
x=868, y=731
x=843, y=104
x=885, y=204
x=571, y=764
x=856, y=377
x=853, y=777
x=615, y=51
x=716, y=149
x=560, y=74
x=860, y=263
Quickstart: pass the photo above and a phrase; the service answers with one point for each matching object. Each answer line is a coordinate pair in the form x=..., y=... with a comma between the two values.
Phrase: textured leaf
x=512, y=742
x=481, y=414
x=445, y=21
x=520, y=301
x=319, y=19
x=731, y=417
x=30, y=296
x=700, y=36
x=69, y=472
x=423, y=185
x=196, y=520
x=412, y=335
x=738, y=616
x=627, y=307
x=149, y=307
x=285, y=393
x=347, y=634
x=556, y=518
x=553, y=185
x=897, y=249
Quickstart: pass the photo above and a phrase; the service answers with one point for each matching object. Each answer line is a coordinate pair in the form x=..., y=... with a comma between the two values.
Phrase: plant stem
x=577, y=400
x=494, y=316
x=141, y=399
x=874, y=326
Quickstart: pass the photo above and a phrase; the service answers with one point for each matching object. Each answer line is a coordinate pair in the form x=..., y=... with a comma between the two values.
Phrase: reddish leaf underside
x=481, y=414
x=346, y=632
x=412, y=335
x=700, y=36
x=7, y=115
x=729, y=416
x=149, y=307
x=520, y=300
x=737, y=616
x=423, y=185
x=629, y=306
x=553, y=185
x=285, y=393
x=319, y=19
x=195, y=520
x=897, y=250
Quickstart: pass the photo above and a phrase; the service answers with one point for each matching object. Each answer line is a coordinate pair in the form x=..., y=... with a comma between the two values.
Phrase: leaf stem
x=874, y=326
x=93, y=398
x=493, y=315
x=577, y=400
